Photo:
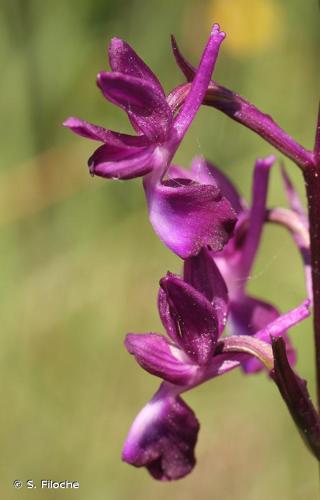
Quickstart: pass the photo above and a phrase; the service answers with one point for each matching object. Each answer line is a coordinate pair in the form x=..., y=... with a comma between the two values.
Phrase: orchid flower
x=247, y=314
x=194, y=312
x=187, y=216
x=132, y=86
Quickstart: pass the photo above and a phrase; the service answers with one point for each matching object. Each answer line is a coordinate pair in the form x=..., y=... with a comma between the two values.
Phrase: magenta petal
x=293, y=197
x=123, y=59
x=223, y=363
x=156, y=355
x=285, y=321
x=200, y=83
x=86, y=129
x=176, y=172
x=246, y=317
x=203, y=274
x=194, y=316
x=188, y=216
x=263, y=321
x=206, y=173
x=122, y=163
x=257, y=213
x=162, y=438
x=187, y=69
x=168, y=321
x=148, y=109
x=281, y=324
x=115, y=140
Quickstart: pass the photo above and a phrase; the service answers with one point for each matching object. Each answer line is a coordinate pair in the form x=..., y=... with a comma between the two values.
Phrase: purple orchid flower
x=132, y=86
x=186, y=215
x=247, y=314
x=193, y=311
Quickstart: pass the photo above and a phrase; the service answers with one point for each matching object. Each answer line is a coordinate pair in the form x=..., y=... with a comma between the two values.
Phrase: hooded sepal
x=203, y=274
x=194, y=317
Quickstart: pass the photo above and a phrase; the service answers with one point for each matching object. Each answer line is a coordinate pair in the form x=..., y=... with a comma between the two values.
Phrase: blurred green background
x=80, y=263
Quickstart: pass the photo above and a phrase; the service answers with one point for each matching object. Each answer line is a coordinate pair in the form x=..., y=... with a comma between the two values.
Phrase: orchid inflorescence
x=212, y=324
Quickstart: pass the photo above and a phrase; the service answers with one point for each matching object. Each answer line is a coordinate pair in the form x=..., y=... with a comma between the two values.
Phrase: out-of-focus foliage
x=80, y=264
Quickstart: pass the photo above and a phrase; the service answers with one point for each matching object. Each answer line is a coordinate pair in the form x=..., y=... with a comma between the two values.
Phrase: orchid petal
x=195, y=318
x=205, y=172
x=203, y=274
x=123, y=59
x=257, y=214
x=148, y=109
x=176, y=172
x=188, y=216
x=251, y=317
x=200, y=83
x=279, y=327
x=187, y=69
x=109, y=137
x=223, y=363
x=285, y=321
x=86, y=129
x=293, y=197
x=248, y=315
x=161, y=358
x=122, y=163
x=167, y=320
x=163, y=436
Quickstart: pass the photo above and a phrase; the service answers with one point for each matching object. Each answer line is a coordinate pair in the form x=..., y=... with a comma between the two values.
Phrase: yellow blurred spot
x=251, y=25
